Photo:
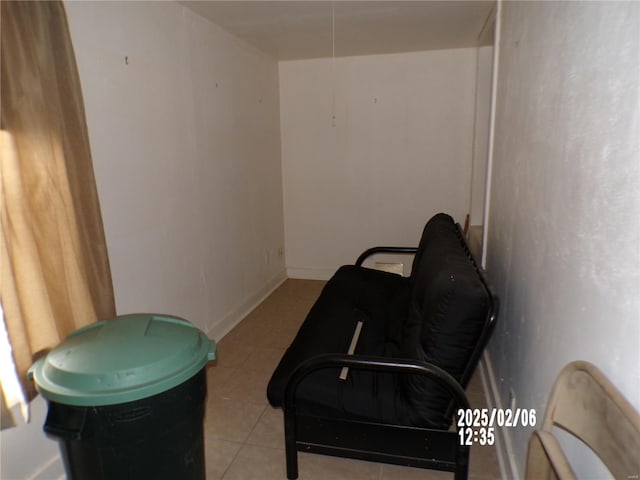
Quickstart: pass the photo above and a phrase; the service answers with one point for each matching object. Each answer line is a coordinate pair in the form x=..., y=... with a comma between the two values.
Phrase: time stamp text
x=478, y=425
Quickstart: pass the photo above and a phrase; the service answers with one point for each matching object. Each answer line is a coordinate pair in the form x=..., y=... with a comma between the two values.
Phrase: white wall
x=564, y=230
x=183, y=121
x=400, y=151
x=184, y=126
x=26, y=454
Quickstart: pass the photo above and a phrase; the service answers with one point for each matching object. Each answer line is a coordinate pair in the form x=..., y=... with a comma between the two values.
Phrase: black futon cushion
x=353, y=294
x=434, y=315
x=448, y=308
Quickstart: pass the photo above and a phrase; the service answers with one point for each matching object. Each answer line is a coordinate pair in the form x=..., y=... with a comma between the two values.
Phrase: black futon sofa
x=379, y=366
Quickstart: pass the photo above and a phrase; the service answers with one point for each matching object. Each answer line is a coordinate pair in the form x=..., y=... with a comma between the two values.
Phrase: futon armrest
x=380, y=364
x=375, y=250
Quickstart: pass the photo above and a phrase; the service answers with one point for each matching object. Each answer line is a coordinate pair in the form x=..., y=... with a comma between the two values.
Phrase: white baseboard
x=53, y=469
x=234, y=317
x=504, y=445
x=310, y=273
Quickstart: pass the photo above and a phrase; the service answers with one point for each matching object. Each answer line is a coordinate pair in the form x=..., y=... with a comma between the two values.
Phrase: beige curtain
x=54, y=266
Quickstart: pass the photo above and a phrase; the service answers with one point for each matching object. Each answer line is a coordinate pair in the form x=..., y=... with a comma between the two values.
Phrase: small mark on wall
x=126, y=60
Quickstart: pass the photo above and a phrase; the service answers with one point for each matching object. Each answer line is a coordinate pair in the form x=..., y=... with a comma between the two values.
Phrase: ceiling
x=291, y=30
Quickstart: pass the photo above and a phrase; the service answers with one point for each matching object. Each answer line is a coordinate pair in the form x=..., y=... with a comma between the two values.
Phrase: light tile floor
x=244, y=435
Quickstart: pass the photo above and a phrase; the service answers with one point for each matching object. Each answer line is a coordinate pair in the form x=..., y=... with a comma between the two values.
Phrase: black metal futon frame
x=432, y=448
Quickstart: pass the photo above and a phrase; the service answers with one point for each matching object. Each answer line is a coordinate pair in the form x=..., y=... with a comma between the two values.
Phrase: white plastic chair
x=585, y=403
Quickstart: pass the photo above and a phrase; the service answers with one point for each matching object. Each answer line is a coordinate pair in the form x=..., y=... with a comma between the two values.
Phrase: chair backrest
x=584, y=403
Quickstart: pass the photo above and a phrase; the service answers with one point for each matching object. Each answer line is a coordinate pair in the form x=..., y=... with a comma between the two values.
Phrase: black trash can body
x=156, y=437
x=160, y=437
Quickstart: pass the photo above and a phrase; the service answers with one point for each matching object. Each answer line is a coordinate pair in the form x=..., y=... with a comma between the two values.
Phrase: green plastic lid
x=121, y=360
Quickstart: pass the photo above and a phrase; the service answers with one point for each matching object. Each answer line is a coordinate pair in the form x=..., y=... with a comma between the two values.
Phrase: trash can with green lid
x=127, y=398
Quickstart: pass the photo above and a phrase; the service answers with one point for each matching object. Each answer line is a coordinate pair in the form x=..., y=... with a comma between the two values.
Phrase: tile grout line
x=224, y=474
x=243, y=444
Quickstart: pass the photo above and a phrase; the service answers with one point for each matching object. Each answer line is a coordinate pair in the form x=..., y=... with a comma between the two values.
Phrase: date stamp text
x=477, y=425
